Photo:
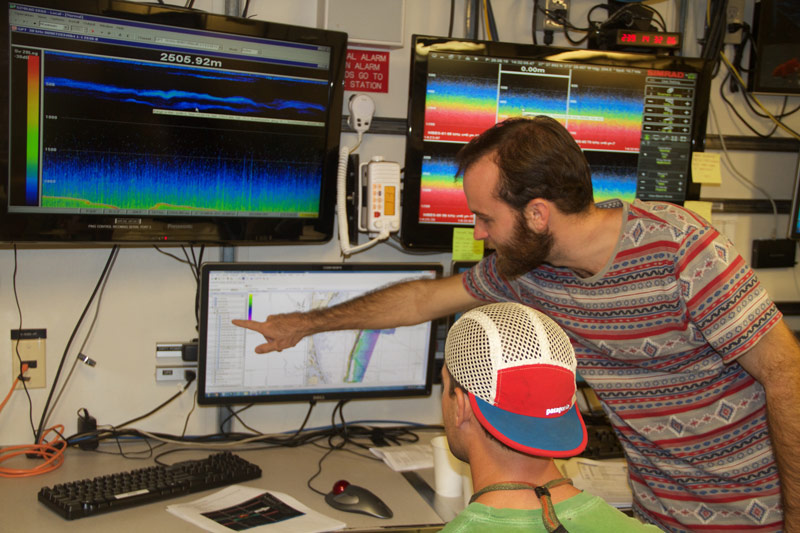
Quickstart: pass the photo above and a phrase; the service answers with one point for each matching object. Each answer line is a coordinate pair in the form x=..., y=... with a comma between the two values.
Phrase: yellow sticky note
x=706, y=168
x=465, y=247
x=701, y=208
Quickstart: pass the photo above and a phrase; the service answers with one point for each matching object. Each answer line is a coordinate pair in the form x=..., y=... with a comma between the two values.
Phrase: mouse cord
x=333, y=447
x=319, y=469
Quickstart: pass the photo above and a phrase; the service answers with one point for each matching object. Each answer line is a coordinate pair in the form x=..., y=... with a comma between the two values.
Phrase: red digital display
x=649, y=39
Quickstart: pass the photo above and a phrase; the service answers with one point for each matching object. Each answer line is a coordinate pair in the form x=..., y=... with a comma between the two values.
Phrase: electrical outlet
x=735, y=16
x=29, y=345
x=544, y=22
x=175, y=373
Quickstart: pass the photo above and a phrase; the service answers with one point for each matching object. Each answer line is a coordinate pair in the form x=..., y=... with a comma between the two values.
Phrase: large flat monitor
x=637, y=118
x=794, y=217
x=145, y=123
x=331, y=365
x=775, y=65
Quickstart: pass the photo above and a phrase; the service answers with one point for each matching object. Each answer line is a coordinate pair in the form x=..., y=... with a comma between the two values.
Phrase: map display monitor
x=331, y=365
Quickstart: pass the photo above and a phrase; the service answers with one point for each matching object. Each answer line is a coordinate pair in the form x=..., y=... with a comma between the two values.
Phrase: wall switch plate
x=29, y=345
x=366, y=22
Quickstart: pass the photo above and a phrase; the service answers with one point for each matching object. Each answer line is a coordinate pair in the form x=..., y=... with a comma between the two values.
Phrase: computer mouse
x=355, y=499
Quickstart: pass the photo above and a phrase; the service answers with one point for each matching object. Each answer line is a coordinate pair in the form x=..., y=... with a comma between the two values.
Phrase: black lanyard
x=549, y=517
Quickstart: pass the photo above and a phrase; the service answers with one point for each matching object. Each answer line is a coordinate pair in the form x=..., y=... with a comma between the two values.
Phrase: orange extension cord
x=52, y=453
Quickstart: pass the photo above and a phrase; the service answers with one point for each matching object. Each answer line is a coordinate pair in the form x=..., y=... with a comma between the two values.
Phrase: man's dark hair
x=537, y=158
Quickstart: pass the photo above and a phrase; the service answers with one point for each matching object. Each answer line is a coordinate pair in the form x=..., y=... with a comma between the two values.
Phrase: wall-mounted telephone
x=382, y=190
x=380, y=205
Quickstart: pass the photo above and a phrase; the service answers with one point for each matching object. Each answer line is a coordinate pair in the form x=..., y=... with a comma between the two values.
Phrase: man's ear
x=463, y=407
x=537, y=214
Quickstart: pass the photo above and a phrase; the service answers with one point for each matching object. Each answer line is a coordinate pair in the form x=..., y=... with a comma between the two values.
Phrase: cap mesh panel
x=499, y=336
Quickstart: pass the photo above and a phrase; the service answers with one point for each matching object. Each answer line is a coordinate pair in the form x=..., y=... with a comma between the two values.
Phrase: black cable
x=254, y=431
x=246, y=7
x=197, y=269
x=189, y=415
x=175, y=257
x=335, y=432
x=106, y=270
x=663, y=24
x=231, y=415
x=714, y=40
x=16, y=346
x=559, y=19
x=159, y=407
x=194, y=262
x=191, y=261
x=781, y=114
x=747, y=98
x=311, y=405
x=533, y=20
x=130, y=455
x=736, y=112
x=452, y=17
x=398, y=245
x=589, y=14
x=319, y=471
x=492, y=23
x=86, y=338
x=570, y=39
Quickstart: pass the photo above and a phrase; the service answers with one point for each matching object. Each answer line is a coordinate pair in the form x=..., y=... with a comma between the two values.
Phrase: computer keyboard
x=88, y=497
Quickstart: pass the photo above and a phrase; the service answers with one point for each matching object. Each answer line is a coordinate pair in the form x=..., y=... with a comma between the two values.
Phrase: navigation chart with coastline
x=331, y=359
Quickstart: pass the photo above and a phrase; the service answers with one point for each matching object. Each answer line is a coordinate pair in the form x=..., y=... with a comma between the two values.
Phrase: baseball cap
x=518, y=369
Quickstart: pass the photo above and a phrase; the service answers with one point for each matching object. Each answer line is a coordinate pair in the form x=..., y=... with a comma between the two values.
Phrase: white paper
x=607, y=479
x=404, y=458
x=242, y=506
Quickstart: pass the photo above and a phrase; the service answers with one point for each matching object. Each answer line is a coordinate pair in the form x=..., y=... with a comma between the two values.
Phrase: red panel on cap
x=544, y=391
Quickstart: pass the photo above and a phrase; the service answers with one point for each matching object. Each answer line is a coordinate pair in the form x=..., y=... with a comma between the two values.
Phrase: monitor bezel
x=794, y=218
x=90, y=229
x=417, y=235
x=203, y=398
x=765, y=35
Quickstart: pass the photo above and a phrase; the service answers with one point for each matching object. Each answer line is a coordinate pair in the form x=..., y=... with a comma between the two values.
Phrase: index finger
x=248, y=324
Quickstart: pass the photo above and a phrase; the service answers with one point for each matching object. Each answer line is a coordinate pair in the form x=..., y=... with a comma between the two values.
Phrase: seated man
x=508, y=405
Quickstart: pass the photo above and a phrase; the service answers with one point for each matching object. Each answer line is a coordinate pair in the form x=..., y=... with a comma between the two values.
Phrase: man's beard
x=524, y=251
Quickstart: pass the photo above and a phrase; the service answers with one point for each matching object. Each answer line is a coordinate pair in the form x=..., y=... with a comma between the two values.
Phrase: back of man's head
x=517, y=367
x=537, y=158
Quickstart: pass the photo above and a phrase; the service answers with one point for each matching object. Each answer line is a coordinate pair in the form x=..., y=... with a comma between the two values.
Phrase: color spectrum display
x=635, y=117
x=144, y=131
x=216, y=170
x=337, y=364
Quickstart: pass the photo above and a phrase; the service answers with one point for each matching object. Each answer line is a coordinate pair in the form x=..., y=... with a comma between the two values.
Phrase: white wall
x=149, y=296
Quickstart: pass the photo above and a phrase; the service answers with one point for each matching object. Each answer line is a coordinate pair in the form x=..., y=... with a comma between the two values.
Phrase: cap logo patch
x=557, y=410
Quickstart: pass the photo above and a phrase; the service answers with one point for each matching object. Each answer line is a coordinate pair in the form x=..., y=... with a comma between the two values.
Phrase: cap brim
x=562, y=436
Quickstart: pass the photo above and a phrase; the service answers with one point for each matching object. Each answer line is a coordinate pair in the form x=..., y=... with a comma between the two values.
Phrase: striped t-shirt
x=657, y=333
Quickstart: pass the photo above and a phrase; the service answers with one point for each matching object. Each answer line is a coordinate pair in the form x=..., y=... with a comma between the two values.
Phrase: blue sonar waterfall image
x=176, y=138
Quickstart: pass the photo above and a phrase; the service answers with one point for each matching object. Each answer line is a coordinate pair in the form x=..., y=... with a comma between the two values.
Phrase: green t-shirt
x=581, y=513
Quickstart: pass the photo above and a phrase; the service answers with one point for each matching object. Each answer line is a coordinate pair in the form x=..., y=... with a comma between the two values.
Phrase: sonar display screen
x=123, y=117
x=633, y=124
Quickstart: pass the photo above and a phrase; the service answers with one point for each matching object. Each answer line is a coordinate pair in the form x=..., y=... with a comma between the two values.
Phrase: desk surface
x=283, y=469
